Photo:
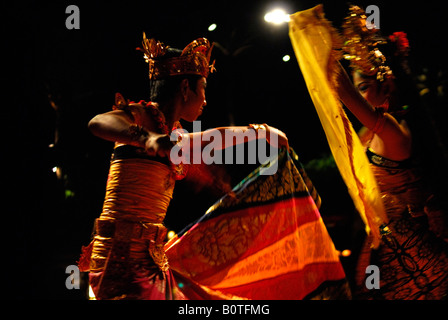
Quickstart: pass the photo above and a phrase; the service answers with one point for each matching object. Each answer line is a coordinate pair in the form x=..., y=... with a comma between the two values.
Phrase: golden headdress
x=195, y=59
x=361, y=45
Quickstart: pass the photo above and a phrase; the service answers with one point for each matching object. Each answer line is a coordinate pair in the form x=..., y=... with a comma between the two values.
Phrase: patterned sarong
x=264, y=240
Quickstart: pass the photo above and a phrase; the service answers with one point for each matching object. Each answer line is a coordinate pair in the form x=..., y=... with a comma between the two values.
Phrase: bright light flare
x=212, y=27
x=91, y=294
x=277, y=16
x=345, y=253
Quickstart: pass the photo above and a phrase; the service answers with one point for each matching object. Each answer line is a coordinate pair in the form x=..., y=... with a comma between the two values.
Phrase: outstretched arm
x=119, y=126
x=230, y=136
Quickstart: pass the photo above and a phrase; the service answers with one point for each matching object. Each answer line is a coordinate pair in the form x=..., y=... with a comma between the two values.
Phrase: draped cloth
x=264, y=240
x=314, y=42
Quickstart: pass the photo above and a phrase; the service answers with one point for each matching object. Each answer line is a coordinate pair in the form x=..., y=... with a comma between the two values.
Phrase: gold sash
x=313, y=40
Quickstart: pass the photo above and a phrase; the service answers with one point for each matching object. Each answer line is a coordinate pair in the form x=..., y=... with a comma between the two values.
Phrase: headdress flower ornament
x=361, y=45
x=195, y=59
x=401, y=42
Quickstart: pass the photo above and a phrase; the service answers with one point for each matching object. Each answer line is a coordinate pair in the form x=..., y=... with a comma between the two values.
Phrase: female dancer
x=413, y=262
x=128, y=260
x=263, y=240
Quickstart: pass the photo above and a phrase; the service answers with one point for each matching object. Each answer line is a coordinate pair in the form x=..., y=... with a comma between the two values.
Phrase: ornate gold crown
x=361, y=45
x=195, y=59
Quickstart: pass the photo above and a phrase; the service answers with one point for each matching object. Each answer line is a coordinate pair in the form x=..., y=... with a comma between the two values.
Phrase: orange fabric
x=268, y=232
x=259, y=249
x=263, y=240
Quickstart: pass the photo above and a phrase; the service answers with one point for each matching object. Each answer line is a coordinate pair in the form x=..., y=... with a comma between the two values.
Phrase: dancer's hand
x=158, y=145
x=279, y=141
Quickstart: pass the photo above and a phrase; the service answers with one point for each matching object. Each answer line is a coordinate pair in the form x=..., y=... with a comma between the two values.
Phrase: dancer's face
x=370, y=88
x=195, y=101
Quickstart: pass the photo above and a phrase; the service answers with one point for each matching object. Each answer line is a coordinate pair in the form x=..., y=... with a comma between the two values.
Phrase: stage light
x=346, y=253
x=286, y=58
x=276, y=16
x=212, y=27
x=58, y=171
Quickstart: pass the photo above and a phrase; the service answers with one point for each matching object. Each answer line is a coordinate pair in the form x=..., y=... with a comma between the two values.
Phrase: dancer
x=129, y=258
x=412, y=260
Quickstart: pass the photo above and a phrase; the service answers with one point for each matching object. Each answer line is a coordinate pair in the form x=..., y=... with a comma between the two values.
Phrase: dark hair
x=164, y=89
x=425, y=149
x=407, y=91
x=426, y=146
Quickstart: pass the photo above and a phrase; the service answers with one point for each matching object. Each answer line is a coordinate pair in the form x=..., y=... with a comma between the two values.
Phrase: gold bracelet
x=257, y=127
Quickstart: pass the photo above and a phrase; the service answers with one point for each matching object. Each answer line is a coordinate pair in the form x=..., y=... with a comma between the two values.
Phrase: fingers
x=158, y=145
x=279, y=141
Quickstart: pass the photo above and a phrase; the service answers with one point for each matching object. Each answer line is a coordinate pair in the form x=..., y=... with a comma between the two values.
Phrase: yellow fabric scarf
x=313, y=40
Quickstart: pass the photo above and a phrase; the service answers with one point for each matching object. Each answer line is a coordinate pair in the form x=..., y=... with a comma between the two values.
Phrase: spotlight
x=212, y=27
x=276, y=16
x=346, y=253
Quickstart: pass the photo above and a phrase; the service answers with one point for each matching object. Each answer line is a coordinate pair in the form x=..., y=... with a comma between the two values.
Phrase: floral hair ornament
x=361, y=45
x=400, y=39
x=195, y=59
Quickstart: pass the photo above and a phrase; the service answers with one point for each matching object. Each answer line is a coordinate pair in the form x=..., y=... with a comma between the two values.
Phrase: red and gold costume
x=390, y=196
x=263, y=240
x=413, y=262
